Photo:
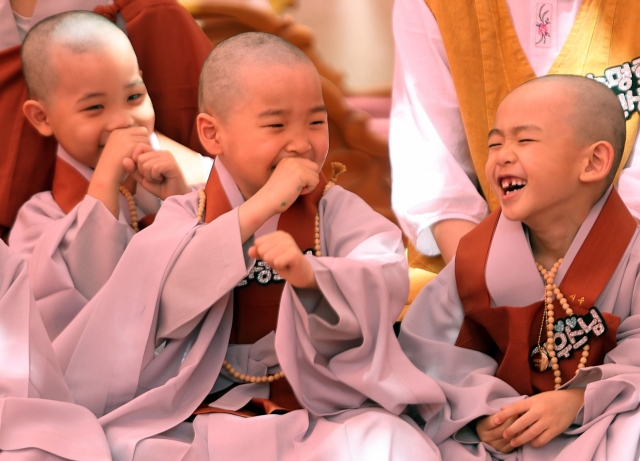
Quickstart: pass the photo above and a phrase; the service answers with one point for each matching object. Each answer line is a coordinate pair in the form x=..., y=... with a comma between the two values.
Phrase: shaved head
x=74, y=32
x=595, y=113
x=222, y=73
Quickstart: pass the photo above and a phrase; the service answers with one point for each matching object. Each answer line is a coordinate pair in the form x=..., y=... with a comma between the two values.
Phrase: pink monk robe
x=38, y=419
x=608, y=424
x=149, y=348
x=72, y=241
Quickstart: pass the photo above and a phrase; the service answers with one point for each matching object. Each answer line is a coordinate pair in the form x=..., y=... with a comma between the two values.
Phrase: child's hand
x=121, y=145
x=157, y=171
x=492, y=433
x=541, y=417
x=281, y=252
x=110, y=171
x=292, y=177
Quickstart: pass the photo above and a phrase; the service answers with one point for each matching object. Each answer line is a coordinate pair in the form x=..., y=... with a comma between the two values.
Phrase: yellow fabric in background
x=487, y=60
x=279, y=5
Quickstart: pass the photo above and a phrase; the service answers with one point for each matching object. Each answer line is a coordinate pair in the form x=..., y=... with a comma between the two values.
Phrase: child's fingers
x=142, y=158
x=533, y=431
x=509, y=411
x=503, y=446
x=137, y=176
x=141, y=148
x=545, y=437
x=312, y=180
x=129, y=165
x=520, y=425
x=253, y=252
x=151, y=166
x=166, y=168
x=275, y=255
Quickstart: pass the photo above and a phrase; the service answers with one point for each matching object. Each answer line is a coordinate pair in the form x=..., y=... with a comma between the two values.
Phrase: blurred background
x=352, y=35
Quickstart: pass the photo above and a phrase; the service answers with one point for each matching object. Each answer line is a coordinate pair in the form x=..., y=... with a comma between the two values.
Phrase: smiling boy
x=276, y=312
x=541, y=298
x=86, y=90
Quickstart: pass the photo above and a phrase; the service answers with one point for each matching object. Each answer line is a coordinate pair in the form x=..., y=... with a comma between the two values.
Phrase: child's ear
x=598, y=162
x=37, y=115
x=209, y=133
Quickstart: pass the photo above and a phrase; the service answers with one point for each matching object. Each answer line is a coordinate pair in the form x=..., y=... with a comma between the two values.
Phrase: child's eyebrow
x=273, y=112
x=86, y=96
x=90, y=95
x=276, y=112
x=137, y=81
x=515, y=130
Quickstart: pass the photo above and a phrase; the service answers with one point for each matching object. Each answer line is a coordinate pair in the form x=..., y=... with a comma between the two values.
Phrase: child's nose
x=299, y=144
x=119, y=120
x=505, y=155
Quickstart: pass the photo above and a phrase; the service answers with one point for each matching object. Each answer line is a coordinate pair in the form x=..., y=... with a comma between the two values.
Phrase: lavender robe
x=38, y=420
x=71, y=256
x=607, y=426
x=173, y=287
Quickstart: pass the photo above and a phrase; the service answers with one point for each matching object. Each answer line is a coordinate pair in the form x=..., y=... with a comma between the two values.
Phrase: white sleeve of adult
x=432, y=172
x=629, y=182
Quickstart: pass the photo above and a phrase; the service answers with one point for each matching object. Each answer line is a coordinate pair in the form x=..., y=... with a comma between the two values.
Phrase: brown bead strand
x=202, y=200
x=551, y=290
x=132, y=208
x=338, y=168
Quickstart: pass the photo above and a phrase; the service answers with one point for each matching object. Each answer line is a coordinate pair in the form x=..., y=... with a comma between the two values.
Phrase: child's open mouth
x=511, y=184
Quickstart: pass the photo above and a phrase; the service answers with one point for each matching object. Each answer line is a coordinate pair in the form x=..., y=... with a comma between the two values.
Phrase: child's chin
x=513, y=213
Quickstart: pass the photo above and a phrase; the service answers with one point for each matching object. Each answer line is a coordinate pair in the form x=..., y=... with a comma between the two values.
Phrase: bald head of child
x=260, y=101
x=556, y=145
x=84, y=82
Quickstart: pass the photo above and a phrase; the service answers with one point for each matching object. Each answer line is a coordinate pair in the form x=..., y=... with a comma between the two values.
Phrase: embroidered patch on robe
x=264, y=274
x=624, y=80
x=574, y=332
x=544, y=27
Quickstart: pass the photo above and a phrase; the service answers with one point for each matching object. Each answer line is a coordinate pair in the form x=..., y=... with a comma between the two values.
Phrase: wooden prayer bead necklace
x=551, y=290
x=337, y=169
x=132, y=208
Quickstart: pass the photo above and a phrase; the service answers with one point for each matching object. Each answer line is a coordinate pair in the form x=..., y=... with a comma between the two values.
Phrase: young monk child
x=542, y=298
x=86, y=90
x=274, y=316
x=38, y=419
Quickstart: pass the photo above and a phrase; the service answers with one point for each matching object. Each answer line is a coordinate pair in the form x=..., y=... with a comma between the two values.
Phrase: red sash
x=256, y=306
x=69, y=188
x=508, y=333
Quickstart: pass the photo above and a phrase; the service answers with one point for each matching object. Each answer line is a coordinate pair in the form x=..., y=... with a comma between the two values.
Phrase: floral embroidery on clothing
x=543, y=24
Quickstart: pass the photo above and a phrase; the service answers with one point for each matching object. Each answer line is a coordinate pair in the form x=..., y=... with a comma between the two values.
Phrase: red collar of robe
x=69, y=188
x=508, y=333
x=256, y=306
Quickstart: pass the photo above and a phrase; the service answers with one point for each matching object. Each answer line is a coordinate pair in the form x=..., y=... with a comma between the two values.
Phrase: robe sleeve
x=211, y=264
x=70, y=256
x=38, y=418
x=613, y=388
x=467, y=377
x=336, y=345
